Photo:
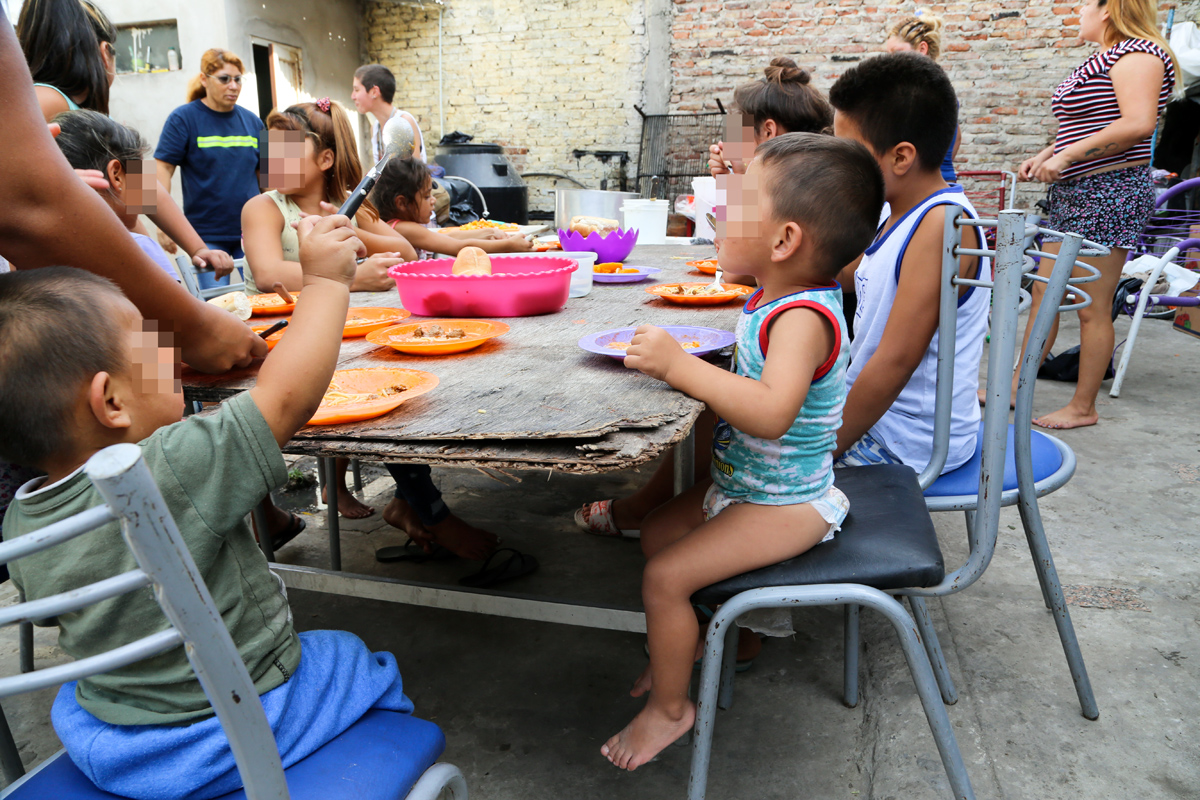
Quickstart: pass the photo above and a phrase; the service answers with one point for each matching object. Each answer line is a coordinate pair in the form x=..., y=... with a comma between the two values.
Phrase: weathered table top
x=531, y=398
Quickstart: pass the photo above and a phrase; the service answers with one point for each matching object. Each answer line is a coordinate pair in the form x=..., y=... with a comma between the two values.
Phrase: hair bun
x=785, y=70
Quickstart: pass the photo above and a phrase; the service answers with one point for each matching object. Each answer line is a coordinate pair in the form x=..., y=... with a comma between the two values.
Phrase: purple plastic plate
x=710, y=339
x=625, y=277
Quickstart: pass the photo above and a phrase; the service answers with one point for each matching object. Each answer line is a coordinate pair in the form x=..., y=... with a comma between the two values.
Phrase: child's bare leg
x=741, y=538
x=349, y=506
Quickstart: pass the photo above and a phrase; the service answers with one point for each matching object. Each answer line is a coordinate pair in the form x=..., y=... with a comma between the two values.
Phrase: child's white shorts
x=832, y=506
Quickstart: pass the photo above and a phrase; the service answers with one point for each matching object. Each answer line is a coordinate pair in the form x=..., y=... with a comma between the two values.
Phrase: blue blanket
x=338, y=681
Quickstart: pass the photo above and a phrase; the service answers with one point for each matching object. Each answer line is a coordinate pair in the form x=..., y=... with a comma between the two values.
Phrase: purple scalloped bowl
x=519, y=286
x=614, y=246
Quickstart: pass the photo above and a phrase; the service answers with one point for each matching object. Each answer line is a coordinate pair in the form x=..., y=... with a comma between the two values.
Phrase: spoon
x=282, y=291
x=278, y=326
x=716, y=281
x=712, y=220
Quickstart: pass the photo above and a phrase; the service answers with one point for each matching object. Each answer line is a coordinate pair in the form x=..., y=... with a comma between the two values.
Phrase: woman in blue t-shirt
x=216, y=143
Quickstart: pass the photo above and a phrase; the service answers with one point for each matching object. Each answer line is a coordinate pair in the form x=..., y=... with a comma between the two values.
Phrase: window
x=148, y=47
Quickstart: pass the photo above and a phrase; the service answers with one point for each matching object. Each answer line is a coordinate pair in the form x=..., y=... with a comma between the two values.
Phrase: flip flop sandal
x=516, y=565
x=296, y=525
x=412, y=552
x=599, y=521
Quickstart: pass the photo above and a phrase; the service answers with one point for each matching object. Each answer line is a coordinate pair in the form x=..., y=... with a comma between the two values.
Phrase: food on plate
x=436, y=333
x=235, y=303
x=689, y=344
x=337, y=396
x=614, y=267
x=585, y=225
x=706, y=290
x=271, y=300
x=481, y=224
x=472, y=261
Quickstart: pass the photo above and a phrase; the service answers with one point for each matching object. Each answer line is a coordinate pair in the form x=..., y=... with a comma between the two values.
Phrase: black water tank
x=485, y=165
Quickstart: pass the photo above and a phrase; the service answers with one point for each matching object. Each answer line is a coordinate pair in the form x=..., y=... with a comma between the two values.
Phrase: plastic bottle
x=172, y=59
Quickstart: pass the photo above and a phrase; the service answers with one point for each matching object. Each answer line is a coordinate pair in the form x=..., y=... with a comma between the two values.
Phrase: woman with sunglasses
x=68, y=45
x=215, y=141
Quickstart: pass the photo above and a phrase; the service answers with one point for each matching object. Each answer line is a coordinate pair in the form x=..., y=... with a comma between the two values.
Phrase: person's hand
x=373, y=273
x=716, y=159
x=653, y=351
x=218, y=341
x=1049, y=170
x=328, y=248
x=167, y=243
x=516, y=244
x=94, y=178
x=1029, y=166
x=218, y=260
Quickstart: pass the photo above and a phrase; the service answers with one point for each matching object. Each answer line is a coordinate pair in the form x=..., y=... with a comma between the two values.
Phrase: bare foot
x=642, y=684
x=349, y=506
x=462, y=539
x=650, y=732
x=1067, y=417
x=399, y=514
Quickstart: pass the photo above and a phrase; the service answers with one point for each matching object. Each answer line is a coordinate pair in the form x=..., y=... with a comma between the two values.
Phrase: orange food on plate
x=614, y=268
x=357, y=394
x=361, y=321
x=481, y=224
x=699, y=294
x=271, y=303
x=707, y=266
x=438, y=336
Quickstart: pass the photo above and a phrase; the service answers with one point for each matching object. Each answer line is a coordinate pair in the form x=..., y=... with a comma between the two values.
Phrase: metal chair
x=337, y=770
x=187, y=273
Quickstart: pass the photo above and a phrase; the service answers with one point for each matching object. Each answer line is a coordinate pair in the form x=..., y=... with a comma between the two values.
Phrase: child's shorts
x=832, y=506
x=866, y=452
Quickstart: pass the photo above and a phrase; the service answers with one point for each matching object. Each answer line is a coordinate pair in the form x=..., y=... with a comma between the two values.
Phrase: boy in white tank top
x=903, y=108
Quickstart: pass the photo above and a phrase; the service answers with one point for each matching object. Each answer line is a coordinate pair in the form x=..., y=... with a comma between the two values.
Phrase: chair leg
x=728, y=668
x=11, y=767
x=328, y=477
x=442, y=780
x=1043, y=563
x=850, y=614
x=838, y=594
x=933, y=649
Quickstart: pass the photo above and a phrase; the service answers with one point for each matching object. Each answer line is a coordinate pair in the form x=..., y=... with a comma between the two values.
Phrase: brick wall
x=1005, y=58
x=541, y=78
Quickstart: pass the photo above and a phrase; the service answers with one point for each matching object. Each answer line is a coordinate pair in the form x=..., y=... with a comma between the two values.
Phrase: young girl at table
x=771, y=495
x=311, y=160
x=90, y=140
x=404, y=197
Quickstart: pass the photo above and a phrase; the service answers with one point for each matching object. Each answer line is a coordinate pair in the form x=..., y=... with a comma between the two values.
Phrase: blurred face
x=290, y=163
x=1093, y=22
x=134, y=189
x=364, y=99
x=154, y=392
x=224, y=87
x=743, y=214
x=740, y=140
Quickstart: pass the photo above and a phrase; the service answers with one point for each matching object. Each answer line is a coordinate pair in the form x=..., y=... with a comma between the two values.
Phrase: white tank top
x=907, y=427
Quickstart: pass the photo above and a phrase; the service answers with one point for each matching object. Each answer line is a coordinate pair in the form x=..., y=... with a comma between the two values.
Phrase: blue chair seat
x=379, y=757
x=964, y=481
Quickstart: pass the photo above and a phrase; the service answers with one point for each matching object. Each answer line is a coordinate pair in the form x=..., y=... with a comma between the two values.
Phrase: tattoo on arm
x=1096, y=152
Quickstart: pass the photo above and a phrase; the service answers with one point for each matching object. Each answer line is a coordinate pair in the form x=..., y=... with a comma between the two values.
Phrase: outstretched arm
x=42, y=197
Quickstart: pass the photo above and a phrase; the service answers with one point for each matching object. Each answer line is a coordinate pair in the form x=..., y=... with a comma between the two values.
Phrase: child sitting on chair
x=807, y=206
x=91, y=140
x=147, y=730
x=404, y=197
x=903, y=108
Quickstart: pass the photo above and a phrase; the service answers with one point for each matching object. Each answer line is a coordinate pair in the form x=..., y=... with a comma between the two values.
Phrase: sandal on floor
x=412, y=552
x=599, y=521
x=515, y=565
x=296, y=525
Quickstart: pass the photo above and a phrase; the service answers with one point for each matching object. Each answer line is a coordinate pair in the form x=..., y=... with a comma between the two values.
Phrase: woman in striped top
x=1099, y=169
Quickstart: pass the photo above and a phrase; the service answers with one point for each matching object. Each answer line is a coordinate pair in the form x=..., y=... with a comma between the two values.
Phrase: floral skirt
x=1109, y=208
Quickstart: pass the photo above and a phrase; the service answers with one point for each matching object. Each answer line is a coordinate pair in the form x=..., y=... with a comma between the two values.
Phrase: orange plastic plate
x=415, y=382
x=400, y=337
x=361, y=321
x=708, y=266
x=733, y=291
x=263, y=304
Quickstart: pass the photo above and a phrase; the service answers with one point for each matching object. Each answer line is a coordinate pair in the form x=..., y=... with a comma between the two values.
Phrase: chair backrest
x=1169, y=225
x=1009, y=265
x=191, y=281
x=164, y=563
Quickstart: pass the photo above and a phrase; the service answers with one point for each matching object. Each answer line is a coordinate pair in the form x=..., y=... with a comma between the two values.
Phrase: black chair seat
x=887, y=541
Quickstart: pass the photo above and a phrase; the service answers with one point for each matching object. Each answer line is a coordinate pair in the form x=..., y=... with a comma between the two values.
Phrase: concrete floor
x=526, y=706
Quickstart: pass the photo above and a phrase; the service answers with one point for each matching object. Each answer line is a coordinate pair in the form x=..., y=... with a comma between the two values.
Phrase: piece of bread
x=235, y=303
x=472, y=261
x=584, y=225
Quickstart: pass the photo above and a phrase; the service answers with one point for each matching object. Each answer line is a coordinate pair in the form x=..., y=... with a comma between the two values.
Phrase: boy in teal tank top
x=807, y=205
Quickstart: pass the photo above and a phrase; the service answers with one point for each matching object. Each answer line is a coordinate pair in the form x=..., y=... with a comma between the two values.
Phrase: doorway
x=278, y=75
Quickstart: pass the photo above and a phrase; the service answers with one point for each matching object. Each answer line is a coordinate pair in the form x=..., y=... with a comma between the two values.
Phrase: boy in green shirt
x=81, y=370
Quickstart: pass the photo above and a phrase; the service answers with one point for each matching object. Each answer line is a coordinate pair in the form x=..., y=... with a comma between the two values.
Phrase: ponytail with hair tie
x=323, y=105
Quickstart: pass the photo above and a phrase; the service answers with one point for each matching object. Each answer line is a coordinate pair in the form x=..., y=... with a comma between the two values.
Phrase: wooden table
x=529, y=399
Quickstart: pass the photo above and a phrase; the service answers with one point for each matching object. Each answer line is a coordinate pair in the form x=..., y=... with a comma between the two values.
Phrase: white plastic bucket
x=705, y=190
x=649, y=217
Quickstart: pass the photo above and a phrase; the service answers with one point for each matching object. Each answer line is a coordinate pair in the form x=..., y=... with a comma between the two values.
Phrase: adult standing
x=1099, y=170
x=922, y=34
x=215, y=141
x=68, y=46
x=372, y=92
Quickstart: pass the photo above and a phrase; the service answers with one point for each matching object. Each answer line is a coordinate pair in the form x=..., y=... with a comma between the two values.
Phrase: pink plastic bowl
x=615, y=246
x=519, y=286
